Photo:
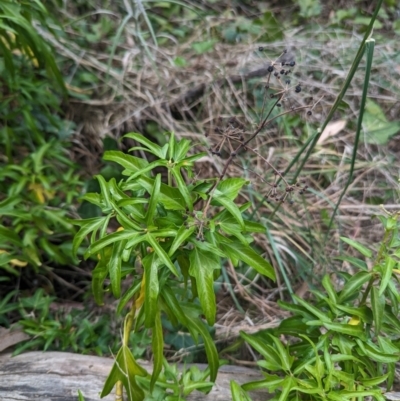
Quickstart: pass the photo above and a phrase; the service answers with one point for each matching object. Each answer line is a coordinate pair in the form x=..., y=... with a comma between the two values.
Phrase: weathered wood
x=57, y=376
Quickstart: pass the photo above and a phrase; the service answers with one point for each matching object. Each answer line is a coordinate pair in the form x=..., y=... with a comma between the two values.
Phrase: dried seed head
x=270, y=68
x=298, y=89
x=309, y=112
x=261, y=48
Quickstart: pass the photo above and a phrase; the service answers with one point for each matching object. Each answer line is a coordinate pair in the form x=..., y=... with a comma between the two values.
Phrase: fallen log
x=57, y=376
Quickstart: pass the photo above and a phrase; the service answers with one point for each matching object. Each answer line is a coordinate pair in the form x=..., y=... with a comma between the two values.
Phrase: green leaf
x=312, y=309
x=104, y=191
x=374, y=381
x=286, y=359
x=152, y=240
x=230, y=226
x=114, y=267
x=373, y=352
x=246, y=254
x=238, y=394
x=326, y=282
x=128, y=296
x=354, y=285
x=124, y=369
x=8, y=235
x=353, y=261
x=287, y=385
x=202, y=266
x=98, y=276
x=230, y=206
x=154, y=196
x=109, y=239
x=272, y=360
x=124, y=220
x=151, y=264
x=181, y=236
x=151, y=147
x=147, y=169
x=271, y=383
x=378, y=308
x=183, y=188
x=363, y=312
x=130, y=163
x=181, y=149
x=253, y=227
x=387, y=269
x=205, y=46
x=377, y=128
x=230, y=187
x=170, y=197
x=360, y=248
x=348, y=329
x=157, y=342
x=170, y=299
x=209, y=345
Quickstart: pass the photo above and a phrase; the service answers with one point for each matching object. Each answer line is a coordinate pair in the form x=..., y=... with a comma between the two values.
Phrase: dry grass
x=137, y=90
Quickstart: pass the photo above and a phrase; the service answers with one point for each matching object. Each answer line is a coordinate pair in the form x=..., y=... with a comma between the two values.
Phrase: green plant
x=151, y=236
x=344, y=343
x=54, y=326
x=34, y=229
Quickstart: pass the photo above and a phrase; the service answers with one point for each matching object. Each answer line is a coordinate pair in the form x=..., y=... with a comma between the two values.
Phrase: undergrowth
x=125, y=69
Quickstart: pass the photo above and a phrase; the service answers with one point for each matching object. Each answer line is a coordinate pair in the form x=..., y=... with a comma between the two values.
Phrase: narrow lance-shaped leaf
x=108, y=240
x=182, y=186
x=157, y=342
x=130, y=163
x=378, y=308
x=387, y=269
x=231, y=207
x=104, y=191
x=151, y=146
x=326, y=282
x=98, y=276
x=173, y=304
x=246, y=254
x=114, y=267
x=360, y=248
x=354, y=285
x=161, y=253
x=209, y=345
x=125, y=369
x=124, y=220
x=181, y=236
x=269, y=353
x=312, y=309
x=151, y=263
x=153, y=200
x=238, y=394
x=202, y=266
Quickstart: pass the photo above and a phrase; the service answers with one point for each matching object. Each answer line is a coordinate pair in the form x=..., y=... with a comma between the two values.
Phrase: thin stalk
x=370, y=55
